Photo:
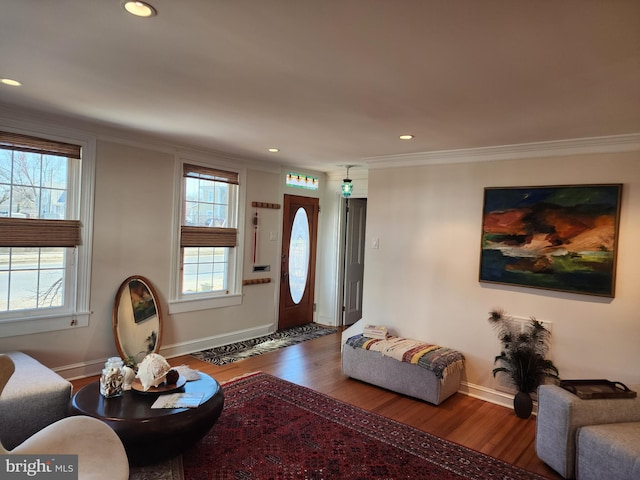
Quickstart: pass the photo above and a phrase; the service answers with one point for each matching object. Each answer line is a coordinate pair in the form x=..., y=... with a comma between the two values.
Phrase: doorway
x=298, y=267
x=354, y=249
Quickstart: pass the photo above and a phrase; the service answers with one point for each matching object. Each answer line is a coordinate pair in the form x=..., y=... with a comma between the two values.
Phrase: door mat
x=267, y=343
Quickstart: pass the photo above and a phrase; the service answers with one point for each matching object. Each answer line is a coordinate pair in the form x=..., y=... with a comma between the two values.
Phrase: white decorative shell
x=152, y=371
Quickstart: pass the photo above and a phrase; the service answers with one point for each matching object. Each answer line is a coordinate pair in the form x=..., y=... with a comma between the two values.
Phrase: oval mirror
x=137, y=320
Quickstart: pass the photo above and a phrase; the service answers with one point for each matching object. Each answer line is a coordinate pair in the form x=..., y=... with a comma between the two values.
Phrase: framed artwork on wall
x=560, y=238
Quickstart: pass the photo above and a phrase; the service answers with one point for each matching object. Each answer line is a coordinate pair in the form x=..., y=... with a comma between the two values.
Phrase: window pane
x=52, y=204
x=205, y=212
x=4, y=258
x=4, y=278
x=54, y=172
x=24, y=258
x=190, y=213
x=23, y=291
x=206, y=203
x=4, y=290
x=21, y=200
x=220, y=215
x=22, y=178
x=299, y=255
x=51, y=288
x=205, y=191
x=191, y=189
x=52, y=257
x=31, y=278
x=204, y=270
x=5, y=198
x=27, y=169
x=6, y=163
x=205, y=283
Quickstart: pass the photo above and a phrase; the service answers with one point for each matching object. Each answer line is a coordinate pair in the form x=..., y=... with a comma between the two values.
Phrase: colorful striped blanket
x=439, y=360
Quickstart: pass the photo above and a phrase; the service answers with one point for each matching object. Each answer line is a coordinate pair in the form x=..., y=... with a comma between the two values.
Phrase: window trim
x=79, y=313
x=177, y=303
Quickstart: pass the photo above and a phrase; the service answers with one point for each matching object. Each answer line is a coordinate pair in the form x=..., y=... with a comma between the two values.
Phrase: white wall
x=332, y=218
x=133, y=230
x=423, y=279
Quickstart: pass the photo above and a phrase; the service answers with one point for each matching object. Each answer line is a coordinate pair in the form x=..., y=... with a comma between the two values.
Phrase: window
x=298, y=180
x=42, y=261
x=208, y=243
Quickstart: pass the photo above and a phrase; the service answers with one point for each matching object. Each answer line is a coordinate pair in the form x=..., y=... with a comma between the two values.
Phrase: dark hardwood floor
x=474, y=423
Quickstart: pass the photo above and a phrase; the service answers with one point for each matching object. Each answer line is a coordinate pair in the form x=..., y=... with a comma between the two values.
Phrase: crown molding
x=578, y=146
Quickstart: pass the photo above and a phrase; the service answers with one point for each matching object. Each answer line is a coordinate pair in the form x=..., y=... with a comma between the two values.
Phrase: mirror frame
x=124, y=289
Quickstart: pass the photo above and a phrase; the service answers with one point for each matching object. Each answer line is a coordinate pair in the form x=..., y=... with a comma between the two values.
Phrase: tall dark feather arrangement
x=523, y=352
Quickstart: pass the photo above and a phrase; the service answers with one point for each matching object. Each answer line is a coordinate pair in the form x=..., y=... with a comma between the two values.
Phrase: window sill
x=192, y=305
x=30, y=325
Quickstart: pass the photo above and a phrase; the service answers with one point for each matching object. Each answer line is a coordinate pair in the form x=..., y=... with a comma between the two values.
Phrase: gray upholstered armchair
x=34, y=397
x=588, y=439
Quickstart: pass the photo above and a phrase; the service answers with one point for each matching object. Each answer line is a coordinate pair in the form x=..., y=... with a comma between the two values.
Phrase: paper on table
x=178, y=400
x=187, y=372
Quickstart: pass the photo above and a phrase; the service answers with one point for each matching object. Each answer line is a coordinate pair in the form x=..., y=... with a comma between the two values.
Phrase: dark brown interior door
x=354, y=259
x=297, y=271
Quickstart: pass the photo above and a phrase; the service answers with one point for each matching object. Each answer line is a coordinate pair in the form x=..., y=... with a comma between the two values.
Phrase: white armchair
x=100, y=451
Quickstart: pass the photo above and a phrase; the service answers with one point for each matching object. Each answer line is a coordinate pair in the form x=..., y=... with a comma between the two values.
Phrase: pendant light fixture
x=347, y=184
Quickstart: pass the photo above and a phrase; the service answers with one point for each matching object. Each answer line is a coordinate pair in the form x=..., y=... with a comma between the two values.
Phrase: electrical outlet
x=523, y=322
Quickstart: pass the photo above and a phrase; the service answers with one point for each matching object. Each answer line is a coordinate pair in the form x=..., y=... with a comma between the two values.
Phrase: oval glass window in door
x=299, y=255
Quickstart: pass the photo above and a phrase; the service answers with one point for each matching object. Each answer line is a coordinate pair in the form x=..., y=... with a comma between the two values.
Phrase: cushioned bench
x=410, y=367
x=34, y=397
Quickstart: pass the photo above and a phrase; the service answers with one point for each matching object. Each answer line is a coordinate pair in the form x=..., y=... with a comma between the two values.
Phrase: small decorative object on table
x=112, y=378
x=129, y=375
x=523, y=357
x=152, y=371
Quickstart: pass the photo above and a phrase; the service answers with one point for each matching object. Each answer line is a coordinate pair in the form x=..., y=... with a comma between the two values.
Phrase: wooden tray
x=594, y=389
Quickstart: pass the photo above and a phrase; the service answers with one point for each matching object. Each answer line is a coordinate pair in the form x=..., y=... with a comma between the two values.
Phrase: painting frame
x=560, y=238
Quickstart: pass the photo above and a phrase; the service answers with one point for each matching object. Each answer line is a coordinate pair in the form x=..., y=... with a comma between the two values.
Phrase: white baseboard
x=177, y=349
x=487, y=394
x=94, y=367
x=490, y=395
x=326, y=320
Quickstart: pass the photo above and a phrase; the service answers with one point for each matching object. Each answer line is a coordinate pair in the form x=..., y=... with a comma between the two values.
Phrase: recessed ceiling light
x=406, y=137
x=8, y=81
x=274, y=150
x=139, y=9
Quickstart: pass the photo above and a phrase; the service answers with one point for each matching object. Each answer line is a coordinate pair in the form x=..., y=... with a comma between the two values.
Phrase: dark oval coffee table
x=152, y=435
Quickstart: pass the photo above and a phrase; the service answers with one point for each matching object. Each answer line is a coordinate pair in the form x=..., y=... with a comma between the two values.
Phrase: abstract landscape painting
x=557, y=238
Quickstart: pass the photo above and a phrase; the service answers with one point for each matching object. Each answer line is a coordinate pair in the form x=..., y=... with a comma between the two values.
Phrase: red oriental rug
x=274, y=429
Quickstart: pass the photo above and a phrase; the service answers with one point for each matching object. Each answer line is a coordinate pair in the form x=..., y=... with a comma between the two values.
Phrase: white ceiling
x=331, y=82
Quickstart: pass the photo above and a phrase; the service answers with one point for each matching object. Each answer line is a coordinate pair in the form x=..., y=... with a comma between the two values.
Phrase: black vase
x=522, y=404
